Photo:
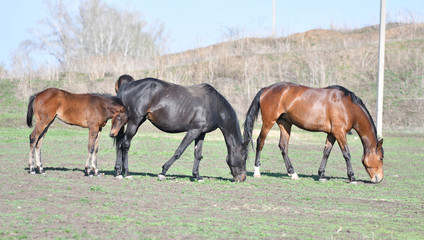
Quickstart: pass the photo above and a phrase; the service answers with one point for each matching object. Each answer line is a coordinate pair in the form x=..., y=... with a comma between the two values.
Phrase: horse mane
x=206, y=88
x=357, y=101
x=114, y=99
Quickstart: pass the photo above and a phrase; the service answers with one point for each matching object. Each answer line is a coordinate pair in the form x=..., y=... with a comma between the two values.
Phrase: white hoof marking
x=323, y=180
x=295, y=176
x=257, y=173
x=119, y=177
x=161, y=177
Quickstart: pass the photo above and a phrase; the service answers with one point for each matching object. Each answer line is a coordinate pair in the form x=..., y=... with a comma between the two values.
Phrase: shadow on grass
x=314, y=177
x=142, y=174
x=192, y=179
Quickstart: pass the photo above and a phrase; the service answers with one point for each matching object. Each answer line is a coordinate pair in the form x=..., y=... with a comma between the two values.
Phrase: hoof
x=257, y=173
x=294, y=176
x=200, y=180
x=100, y=174
x=119, y=177
x=323, y=180
x=354, y=182
x=161, y=177
x=129, y=177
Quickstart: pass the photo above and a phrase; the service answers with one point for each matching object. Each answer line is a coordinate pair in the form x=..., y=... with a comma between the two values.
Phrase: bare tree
x=97, y=39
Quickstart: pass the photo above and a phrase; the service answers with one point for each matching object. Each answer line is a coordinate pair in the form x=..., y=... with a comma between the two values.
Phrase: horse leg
x=38, y=161
x=327, y=150
x=198, y=144
x=35, y=141
x=92, y=135
x=266, y=126
x=31, y=154
x=94, y=157
x=285, y=130
x=191, y=135
x=342, y=141
x=124, y=145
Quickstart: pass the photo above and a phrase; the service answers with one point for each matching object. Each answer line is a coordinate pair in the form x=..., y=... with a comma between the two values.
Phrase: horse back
x=315, y=109
x=75, y=109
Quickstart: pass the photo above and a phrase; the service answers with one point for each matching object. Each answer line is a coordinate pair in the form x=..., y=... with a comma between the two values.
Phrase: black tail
x=30, y=111
x=251, y=116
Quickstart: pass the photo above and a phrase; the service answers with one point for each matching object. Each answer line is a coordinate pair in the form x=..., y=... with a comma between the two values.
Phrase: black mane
x=110, y=97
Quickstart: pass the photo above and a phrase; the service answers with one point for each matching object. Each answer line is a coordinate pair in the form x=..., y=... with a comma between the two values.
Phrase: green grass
x=273, y=206
x=63, y=204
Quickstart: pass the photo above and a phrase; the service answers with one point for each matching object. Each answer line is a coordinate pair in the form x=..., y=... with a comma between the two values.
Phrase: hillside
x=318, y=58
x=315, y=58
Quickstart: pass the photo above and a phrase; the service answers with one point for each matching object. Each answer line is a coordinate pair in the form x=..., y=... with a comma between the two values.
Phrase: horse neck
x=366, y=131
x=232, y=134
x=111, y=109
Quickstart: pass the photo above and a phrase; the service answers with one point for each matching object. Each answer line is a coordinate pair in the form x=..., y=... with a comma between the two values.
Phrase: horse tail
x=251, y=116
x=30, y=111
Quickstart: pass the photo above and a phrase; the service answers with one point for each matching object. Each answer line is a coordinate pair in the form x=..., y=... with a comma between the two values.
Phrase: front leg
x=346, y=154
x=198, y=144
x=123, y=147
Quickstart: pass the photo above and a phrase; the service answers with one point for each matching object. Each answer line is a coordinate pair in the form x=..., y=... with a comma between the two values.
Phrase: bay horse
x=90, y=111
x=173, y=108
x=333, y=110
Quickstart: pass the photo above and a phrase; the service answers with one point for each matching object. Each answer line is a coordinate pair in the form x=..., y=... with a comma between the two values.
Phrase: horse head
x=236, y=160
x=123, y=80
x=119, y=119
x=373, y=162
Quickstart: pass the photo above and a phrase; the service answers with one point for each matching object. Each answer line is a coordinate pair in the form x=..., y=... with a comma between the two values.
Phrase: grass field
x=63, y=204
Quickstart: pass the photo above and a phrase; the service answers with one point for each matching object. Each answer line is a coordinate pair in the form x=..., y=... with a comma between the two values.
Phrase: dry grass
x=318, y=58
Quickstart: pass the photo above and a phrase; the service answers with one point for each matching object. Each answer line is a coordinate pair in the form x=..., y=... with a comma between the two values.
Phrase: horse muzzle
x=377, y=178
x=112, y=135
x=240, y=178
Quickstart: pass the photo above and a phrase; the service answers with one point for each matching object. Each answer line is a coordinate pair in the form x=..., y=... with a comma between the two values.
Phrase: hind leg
x=191, y=135
x=266, y=126
x=31, y=155
x=38, y=161
x=327, y=150
x=35, y=141
x=285, y=130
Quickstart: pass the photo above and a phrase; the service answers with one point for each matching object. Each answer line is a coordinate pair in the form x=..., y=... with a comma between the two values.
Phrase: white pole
x=273, y=18
x=380, y=85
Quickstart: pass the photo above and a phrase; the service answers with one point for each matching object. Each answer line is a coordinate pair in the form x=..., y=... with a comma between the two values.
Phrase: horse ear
x=380, y=143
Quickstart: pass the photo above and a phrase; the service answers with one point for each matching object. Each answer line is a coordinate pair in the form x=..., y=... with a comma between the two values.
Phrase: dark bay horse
x=85, y=110
x=173, y=108
x=333, y=110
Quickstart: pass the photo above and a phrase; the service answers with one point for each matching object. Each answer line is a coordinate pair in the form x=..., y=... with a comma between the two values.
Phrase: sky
x=190, y=24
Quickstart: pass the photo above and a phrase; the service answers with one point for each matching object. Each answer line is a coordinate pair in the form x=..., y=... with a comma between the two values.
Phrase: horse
x=90, y=111
x=333, y=110
x=172, y=108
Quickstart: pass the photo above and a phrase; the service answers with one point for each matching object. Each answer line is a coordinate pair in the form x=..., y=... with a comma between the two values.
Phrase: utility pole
x=380, y=86
x=273, y=18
